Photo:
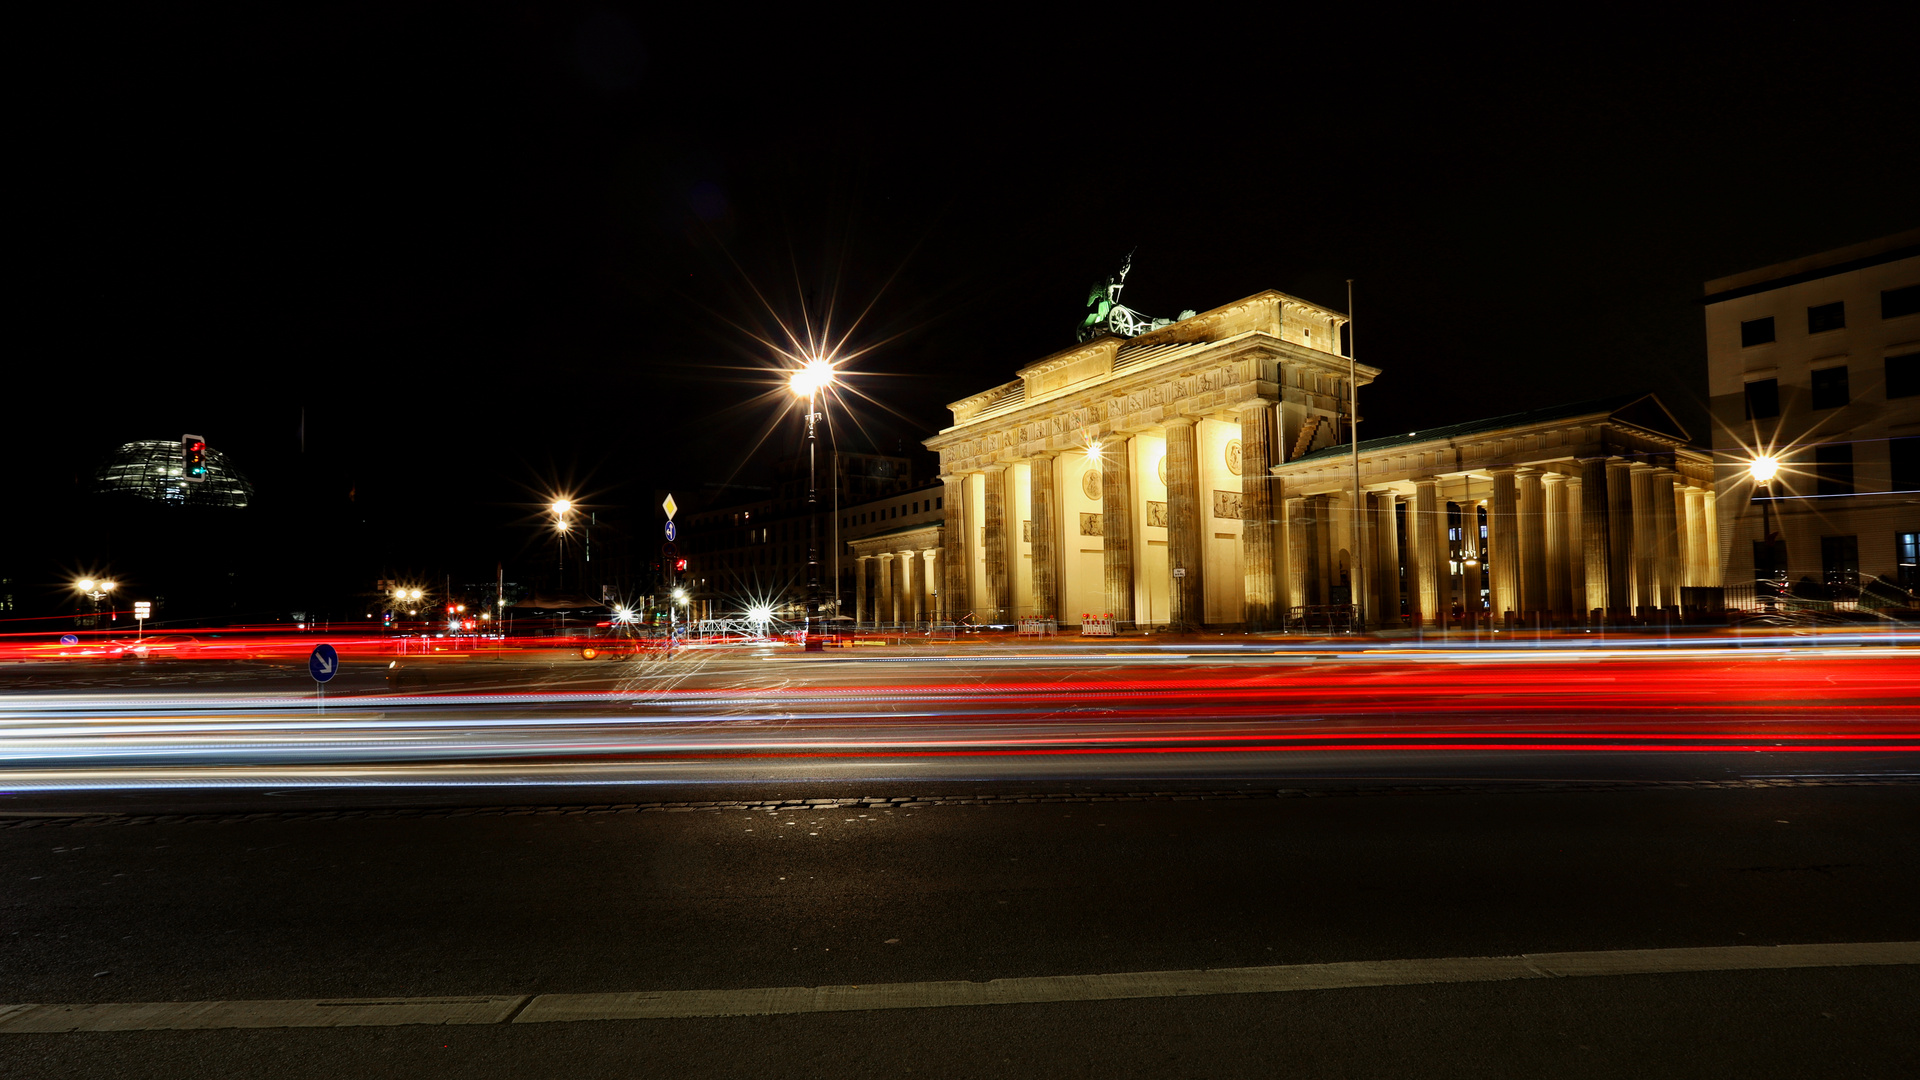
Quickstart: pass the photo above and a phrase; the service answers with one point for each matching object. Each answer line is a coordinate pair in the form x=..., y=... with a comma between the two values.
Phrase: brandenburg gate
x=1200, y=473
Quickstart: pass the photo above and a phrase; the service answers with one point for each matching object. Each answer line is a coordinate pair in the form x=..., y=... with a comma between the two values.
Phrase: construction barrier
x=1096, y=625
x=1038, y=627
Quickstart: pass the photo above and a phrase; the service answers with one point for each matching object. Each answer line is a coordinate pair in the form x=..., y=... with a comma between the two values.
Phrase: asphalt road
x=556, y=902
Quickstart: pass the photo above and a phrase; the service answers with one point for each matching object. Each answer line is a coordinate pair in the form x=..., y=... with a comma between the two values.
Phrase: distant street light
x=808, y=381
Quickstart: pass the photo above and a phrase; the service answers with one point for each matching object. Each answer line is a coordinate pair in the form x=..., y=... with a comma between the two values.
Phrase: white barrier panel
x=1096, y=626
x=1038, y=627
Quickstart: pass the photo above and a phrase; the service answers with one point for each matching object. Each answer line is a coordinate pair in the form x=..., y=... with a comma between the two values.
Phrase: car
x=161, y=647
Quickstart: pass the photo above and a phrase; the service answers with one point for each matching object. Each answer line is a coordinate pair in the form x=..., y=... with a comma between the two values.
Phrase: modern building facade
x=1816, y=363
x=1202, y=474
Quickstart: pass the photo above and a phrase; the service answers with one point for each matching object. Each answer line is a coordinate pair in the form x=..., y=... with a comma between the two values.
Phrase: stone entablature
x=1209, y=381
x=1551, y=446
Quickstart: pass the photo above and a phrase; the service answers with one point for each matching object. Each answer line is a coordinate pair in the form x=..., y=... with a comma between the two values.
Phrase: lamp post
x=94, y=591
x=1762, y=470
x=808, y=381
x=561, y=508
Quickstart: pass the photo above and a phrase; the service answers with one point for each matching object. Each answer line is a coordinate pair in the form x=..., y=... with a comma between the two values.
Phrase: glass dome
x=153, y=469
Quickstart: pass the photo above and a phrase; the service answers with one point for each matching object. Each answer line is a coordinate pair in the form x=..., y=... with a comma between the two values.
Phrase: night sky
x=489, y=251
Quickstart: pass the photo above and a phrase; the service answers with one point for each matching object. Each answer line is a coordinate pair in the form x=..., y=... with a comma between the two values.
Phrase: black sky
x=490, y=249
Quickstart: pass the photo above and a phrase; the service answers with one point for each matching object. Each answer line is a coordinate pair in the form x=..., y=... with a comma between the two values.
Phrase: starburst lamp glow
x=1763, y=469
x=811, y=378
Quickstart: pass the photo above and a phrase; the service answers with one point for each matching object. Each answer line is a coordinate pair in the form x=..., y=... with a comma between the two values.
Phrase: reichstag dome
x=153, y=469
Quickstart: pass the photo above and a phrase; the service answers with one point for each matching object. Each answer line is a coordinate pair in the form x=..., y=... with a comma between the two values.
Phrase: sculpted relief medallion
x=1233, y=456
x=1163, y=470
x=1090, y=485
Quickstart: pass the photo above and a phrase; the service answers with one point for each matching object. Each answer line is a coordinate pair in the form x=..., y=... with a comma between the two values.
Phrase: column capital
x=1525, y=470
x=1044, y=455
x=994, y=467
x=1553, y=478
x=1179, y=421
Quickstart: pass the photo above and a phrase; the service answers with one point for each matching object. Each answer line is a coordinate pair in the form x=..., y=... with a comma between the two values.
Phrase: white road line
x=781, y=1000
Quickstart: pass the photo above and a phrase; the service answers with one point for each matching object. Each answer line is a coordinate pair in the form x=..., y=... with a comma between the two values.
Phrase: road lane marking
x=307, y=1013
x=785, y=1000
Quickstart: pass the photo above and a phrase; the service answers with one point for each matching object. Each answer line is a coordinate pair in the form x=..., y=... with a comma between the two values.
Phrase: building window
x=1756, y=332
x=1763, y=399
x=1905, y=455
x=1833, y=469
x=1903, y=375
x=1897, y=302
x=1906, y=558
x=940, y=503
x=1840, y=560
x=1826, y=317
x=1830, y=387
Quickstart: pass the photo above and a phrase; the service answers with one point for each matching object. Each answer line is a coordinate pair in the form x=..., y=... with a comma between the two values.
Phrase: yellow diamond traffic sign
x=669, y=506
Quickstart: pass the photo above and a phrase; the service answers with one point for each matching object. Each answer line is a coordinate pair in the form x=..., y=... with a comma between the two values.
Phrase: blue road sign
x=324, y=664
x=672, y=532
x=69, y=639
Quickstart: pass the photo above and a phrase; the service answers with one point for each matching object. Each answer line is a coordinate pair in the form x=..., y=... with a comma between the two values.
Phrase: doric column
x=913, y=598
x=1186, y=591
x=998, y=551
x=1256, y=513
x=1503, y=538
x=1712, y=523
x=1699, y=570
x=1427, y=537
x=860, y=588
x=1386, y=543
x=1670, y=539
x=1576, y=552
x=1554, y=486
x=1299, y=543
x=1046, y=575
x=887, y=612
x=1366, y=603
x=1593, y=534
x=1620, y=539
x=1116, y=528
x=936, y=596
x=1533, y=540
x=1683, y=568
x=1646, y=541
x=956, y=598
x=1319, y=569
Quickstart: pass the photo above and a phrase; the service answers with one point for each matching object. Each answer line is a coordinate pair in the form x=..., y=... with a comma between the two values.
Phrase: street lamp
x=94, y=591
x=1762, y=470
x=808, y=381
x=561, y=508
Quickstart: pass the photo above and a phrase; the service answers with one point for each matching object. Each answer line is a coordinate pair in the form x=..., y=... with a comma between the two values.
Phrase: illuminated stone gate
x=1201, y=474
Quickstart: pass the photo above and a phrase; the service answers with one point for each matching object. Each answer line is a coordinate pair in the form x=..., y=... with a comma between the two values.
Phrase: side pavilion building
x=1201, y=474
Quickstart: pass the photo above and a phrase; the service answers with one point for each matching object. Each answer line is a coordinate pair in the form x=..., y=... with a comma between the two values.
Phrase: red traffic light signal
x=680, y=564
x=193, y=457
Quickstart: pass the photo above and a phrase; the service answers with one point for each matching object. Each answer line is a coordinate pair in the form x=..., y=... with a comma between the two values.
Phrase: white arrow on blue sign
x=69, y=639
x=324, y=664
x=672, y=532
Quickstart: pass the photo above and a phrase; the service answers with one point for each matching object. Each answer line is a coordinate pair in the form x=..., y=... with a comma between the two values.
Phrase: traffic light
x=680, y=565
x=193, y=457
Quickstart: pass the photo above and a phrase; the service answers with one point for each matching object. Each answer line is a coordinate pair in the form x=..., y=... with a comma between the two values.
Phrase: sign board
x=323, y=664
x=1179, y=571
x=669, y=551
x=673, y=531
x=670, y=506
x=142, y=609
x=69, y=639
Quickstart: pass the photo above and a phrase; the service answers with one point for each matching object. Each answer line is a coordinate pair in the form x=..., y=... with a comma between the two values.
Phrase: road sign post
x=323, y=664
x=142, y=611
